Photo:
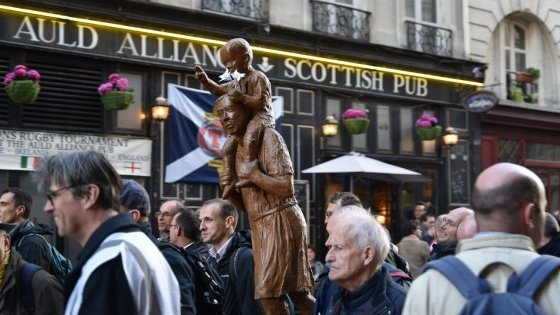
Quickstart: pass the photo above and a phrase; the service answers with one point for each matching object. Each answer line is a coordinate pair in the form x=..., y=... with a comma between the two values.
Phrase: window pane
x=410, y=8
x=508, y=59
x=519, y=37
x=520, y=61
x=507, y=34
x=130, y=118
x=429, y=11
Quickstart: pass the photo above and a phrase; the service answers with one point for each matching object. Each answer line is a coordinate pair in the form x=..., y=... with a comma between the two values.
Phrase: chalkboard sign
x=458, y=172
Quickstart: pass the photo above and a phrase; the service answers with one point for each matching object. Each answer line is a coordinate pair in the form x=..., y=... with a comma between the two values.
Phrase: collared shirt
x=220, y=252
x=188, y=245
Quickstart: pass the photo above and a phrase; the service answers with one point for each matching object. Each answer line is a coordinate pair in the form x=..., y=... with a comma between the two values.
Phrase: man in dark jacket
x=15, y=207
x=231, y=253
x=136, y=202
x=119, y=270
x=43, y=291
x=359, y=284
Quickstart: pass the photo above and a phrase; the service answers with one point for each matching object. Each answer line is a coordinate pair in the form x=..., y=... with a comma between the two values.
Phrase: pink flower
x=122, y=84
x=20, y=73
x=105, y=88
x=352, y=113
x=113, y=77
x=426, y=121
x=33, y=75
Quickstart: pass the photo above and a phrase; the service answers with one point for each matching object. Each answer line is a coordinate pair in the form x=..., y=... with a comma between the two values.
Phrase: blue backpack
x=62, y=264
x=518, y=298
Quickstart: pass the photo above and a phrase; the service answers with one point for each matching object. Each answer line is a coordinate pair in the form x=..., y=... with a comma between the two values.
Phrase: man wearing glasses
x=119, y=271
x=166, y=212
x=447, y=240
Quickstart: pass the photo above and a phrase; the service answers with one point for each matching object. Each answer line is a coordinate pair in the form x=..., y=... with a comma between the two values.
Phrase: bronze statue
x=258, y=178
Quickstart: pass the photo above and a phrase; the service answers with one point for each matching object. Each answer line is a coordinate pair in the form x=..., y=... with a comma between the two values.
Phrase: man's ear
x=529, y=213
x=135, y=213
x=20, y=211
x=230, y=221
x=369, y=254
x=92, y=195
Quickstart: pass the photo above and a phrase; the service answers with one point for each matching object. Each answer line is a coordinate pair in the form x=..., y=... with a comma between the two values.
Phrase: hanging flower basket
x=22, y=85
x=355, y=121
x=428, y=133
x=23, y=91
x=115, y=94
x=117, y=100
x=356, y=126
x=427, y=127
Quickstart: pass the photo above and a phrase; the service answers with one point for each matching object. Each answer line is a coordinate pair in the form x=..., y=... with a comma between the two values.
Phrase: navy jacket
x=33, y=248
x=239, y=290
x=378, y=295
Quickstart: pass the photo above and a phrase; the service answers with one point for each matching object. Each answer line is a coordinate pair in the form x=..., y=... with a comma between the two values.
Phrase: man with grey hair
x=119, y=271
x=357, y=246
x=509, y=202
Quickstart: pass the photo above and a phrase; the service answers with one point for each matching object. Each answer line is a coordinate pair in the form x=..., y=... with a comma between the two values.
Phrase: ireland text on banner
x=194, y=136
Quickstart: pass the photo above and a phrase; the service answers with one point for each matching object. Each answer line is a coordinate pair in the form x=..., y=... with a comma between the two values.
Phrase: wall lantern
x=450, y=137
x=330, y=126
x=160, y=110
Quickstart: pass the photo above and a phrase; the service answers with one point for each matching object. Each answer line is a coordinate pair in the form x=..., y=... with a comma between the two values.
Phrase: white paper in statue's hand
x=225, y=77
x=237, y=75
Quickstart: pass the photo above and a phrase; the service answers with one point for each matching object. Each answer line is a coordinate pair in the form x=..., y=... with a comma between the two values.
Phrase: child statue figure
x=246, y=86
x=259, y=180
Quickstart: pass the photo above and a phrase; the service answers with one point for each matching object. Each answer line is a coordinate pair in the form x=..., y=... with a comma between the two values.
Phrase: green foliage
x=534, y=72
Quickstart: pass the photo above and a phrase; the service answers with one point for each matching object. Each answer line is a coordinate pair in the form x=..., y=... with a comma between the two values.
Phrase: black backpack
x=207, y=283
x=519, y=296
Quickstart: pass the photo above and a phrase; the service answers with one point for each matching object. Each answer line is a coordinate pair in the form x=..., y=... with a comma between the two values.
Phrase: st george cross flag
x=193, y=137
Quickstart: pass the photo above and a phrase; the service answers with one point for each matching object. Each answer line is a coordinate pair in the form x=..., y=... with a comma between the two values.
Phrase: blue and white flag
x=194, y=137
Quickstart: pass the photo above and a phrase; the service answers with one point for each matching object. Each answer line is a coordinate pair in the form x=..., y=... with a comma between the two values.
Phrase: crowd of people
x=202, y=264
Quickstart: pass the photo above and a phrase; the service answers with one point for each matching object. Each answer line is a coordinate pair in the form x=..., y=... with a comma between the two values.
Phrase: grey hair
x=365, y=231
x=78, y=169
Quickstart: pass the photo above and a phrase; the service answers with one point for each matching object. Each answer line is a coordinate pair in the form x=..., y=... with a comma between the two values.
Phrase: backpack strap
x=25, y=288
x=233, y=263
x=530, y=280
x=461, y=276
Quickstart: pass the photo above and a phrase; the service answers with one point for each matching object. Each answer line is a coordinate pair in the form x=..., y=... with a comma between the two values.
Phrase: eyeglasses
x=51, y=195
x=173, y=225
x=164, y=214
x=451, y=223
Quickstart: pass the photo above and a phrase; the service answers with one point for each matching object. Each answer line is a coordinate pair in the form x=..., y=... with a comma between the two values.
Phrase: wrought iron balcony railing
x=253, y=9
x=340, y=20
x=429, y=39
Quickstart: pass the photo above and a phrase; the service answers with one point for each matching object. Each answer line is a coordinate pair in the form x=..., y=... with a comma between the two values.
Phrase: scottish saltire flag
x=194, y=137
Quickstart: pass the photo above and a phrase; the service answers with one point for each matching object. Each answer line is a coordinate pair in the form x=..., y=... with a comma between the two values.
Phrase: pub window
x=407, y=131
x=130, y=118
x=383, y=116
x=288, y=95
x=306, y=102
x=429, y=147
x=458, y=119
x=333, y=108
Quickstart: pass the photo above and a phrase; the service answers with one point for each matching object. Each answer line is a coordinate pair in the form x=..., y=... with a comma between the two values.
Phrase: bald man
x=509, y=202
x=447, y=237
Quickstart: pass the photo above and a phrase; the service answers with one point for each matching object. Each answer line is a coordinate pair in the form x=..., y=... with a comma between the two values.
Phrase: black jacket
x=239, y=290
x=443, y=249
x=33, y=248
x=378, y=295
x=552, y=247
x=107, y=290
x=181, y=270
